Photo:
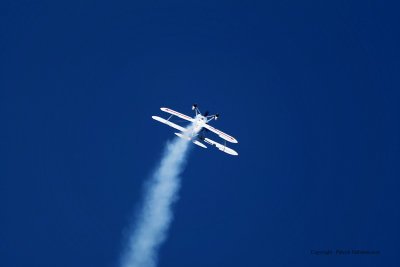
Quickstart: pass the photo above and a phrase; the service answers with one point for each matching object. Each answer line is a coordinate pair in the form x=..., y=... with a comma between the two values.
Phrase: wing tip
x=230, y=139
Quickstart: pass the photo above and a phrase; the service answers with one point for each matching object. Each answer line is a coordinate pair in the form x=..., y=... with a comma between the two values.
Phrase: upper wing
x=221, y=147
x=180, y=128
x=180, y=115
x=221, y=134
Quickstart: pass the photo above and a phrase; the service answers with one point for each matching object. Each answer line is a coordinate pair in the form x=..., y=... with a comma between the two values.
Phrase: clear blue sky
x=310, y=89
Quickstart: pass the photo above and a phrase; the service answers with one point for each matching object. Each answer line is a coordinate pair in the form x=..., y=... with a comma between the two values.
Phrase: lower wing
x=173, y=125
x=220, y=147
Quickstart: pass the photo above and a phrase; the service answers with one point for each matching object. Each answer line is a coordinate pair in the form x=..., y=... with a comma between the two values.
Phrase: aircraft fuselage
x=198, y=123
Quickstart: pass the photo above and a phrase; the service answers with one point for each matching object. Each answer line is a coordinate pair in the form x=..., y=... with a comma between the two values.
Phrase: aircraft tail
x=189, y=139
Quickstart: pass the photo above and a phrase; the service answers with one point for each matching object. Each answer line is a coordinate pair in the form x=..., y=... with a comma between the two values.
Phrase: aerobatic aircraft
x=199, y=128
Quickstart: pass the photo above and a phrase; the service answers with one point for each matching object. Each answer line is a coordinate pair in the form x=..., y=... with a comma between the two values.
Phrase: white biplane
x=200, y=126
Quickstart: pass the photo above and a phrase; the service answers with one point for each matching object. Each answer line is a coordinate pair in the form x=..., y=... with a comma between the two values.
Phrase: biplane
x=196, y=133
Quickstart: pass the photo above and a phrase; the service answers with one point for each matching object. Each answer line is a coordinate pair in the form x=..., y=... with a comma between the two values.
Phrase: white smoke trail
x=156, y=215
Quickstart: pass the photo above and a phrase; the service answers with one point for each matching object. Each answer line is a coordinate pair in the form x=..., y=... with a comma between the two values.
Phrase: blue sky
x=309, y=89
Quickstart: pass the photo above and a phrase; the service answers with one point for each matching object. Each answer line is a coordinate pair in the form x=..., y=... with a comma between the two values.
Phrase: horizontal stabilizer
x=199, y=143
x=189, y=139
x=183, y=136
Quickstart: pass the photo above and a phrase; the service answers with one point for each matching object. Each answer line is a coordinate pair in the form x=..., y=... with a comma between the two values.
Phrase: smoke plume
x=154, y=219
